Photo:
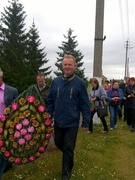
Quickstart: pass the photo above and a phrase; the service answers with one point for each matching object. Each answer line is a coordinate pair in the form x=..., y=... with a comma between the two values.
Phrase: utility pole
x=126, y=61
x=127, y=74
x=98, y=43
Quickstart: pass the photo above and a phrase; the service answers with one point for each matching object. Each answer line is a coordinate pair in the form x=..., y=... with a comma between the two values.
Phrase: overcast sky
x=53, y=18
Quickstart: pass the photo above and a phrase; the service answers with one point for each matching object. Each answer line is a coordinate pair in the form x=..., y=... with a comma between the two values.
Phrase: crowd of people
x=126, y=107
x=66, y=99
x=120, y=100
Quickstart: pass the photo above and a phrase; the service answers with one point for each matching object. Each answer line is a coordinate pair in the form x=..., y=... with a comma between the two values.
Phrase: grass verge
x=98, y=156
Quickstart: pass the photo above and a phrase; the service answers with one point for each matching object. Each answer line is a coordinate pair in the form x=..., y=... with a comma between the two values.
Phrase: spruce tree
x=13, y=44
x=20, y=55
x=70, y=47
x=36, y=56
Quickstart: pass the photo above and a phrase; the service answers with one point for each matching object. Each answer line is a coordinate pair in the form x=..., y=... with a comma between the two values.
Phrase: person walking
x=123, y=102
x=96, y=93
x=130, y=103
x=7, y=96
x=107, y=85
x=42, y=87
x=114, y=98
x=68, y=98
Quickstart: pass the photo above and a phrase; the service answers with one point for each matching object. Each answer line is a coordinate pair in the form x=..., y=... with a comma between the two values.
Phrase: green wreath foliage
x=25, y=128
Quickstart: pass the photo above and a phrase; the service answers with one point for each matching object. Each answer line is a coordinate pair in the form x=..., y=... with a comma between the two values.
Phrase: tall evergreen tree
x=36, y=56
x=19, y=58
x=13, y=44
x=69, y=47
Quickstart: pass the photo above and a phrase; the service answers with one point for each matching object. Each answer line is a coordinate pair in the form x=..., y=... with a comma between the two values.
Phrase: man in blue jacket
x=7, y=95
x=66, y=100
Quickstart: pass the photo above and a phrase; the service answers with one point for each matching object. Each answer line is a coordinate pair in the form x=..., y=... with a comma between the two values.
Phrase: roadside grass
x=98, y=156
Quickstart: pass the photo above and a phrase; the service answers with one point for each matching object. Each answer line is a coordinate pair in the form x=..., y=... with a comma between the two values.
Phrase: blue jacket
x=66, y=99
x=10, y=93
x=109, y=99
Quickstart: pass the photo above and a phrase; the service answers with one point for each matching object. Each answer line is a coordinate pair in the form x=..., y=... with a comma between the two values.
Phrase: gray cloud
x=54, y=18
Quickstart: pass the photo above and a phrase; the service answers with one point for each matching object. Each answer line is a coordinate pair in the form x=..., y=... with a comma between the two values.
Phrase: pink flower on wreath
x=32, y=158
x=25, y=122
x=17, y=161
x=28, y=137
x=6, y=153
x=17, y=134
x=1, y=143
x=41, y=108
x=30, y=99
x=31, y=129
x=48, y=122
x=1, y=130
x=21, y=141
x=2, y=118
x=14, y=106
x=23, y=132
x=41, y=149
x=48, y=136
x=19, y=126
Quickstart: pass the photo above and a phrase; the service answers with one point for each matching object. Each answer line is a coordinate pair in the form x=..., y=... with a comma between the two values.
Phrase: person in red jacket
x=107, y=86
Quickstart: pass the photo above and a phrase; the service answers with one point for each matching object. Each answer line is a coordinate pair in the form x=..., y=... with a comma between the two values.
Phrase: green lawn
x=98, y=156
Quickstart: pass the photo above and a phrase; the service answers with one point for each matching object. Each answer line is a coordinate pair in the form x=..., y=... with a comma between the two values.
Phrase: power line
x=124, y=12
x=126, y=35
x=121, y=20
x=127, y=19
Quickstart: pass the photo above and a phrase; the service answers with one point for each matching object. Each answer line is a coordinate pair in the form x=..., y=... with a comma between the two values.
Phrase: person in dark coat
x=123, y=102
x=43, y=87
x=130, y=103
x=7, y=96
x=68, y=98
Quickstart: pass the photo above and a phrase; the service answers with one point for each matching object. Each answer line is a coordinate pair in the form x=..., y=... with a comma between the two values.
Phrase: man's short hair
x=41, y=75
x=68, y=56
